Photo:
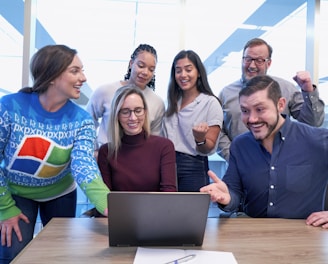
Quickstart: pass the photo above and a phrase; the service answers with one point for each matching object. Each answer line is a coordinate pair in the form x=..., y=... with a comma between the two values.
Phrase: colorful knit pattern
x=40, y=157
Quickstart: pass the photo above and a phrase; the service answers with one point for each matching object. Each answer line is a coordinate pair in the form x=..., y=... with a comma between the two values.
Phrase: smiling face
x=251, y=69
x=142, y=69
x=260, y=114
x=69, y=83
x=131, y=115
x=186, y=74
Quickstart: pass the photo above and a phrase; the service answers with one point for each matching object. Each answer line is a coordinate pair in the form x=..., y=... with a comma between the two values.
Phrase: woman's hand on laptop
x=218, y=190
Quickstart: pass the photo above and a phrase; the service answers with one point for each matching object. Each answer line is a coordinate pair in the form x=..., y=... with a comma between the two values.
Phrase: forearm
x=207, y=144
x=97, y=192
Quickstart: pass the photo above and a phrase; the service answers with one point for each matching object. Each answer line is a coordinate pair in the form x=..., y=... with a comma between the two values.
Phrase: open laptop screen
x=157, y=218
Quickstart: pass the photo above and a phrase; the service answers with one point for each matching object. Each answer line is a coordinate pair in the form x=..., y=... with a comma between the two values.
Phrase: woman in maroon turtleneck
x=134, y=160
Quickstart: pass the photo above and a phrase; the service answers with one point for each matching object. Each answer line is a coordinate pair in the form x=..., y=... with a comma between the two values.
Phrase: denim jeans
x=191, y=172
x=64, y=206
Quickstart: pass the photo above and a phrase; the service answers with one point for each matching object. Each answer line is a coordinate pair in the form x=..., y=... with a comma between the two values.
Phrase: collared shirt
x=305, y=107
x=289, y=183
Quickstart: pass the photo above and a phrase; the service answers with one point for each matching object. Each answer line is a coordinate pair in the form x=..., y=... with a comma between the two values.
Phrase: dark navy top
x=289, y=183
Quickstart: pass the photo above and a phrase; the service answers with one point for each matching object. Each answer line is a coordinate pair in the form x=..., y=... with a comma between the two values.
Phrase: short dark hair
x=257, y=42
x=260, y=83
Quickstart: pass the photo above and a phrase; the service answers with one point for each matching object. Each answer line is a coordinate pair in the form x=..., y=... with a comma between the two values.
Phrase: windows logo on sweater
x=40, y=157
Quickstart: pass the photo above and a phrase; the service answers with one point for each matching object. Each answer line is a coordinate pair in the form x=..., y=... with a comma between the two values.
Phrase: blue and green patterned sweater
x=42, y=152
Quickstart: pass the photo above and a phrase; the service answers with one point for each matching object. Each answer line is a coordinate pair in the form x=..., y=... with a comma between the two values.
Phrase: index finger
x=213, y=176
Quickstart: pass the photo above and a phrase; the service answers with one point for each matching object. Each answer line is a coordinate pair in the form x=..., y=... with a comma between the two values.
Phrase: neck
x=131, y=82
x=51, y=103
x=188, y=97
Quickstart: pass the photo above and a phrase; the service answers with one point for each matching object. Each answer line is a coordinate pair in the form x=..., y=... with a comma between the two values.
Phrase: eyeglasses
x=258, y=61
x=126, y=112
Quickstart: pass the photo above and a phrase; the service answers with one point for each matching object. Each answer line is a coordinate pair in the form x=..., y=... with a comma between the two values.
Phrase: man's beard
x=271, y=128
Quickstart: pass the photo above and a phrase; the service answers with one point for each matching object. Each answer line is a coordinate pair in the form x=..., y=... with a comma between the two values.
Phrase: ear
x=281, y=104
x=269, y=63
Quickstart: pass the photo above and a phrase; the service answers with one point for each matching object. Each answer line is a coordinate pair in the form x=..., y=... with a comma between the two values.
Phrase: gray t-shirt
x=178, y=127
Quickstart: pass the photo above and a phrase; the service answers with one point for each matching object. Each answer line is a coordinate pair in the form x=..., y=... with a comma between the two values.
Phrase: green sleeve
x=97, y=192
x=8, y=208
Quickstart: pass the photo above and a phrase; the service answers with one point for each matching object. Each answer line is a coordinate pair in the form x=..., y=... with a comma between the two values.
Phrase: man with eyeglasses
x=304, y=106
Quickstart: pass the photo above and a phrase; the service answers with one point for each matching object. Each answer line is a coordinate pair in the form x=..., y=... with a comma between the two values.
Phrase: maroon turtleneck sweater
x=143, y=164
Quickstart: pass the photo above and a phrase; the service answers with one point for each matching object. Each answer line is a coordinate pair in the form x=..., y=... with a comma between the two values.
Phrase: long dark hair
x=141, y=48
x=47, y=64
x=174, y=92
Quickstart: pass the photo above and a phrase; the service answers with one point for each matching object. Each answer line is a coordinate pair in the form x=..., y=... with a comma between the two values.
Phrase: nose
x=252, y=64
x=83, y=78
x=182, y=73
x=132, y=115
x=252, y=117
x=145, y=72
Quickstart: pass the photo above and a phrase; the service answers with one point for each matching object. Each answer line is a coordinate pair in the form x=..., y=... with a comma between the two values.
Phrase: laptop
x=157, y=218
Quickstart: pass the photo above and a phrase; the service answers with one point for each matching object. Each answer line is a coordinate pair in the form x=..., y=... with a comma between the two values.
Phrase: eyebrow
x=185, y=66
x=75, y=67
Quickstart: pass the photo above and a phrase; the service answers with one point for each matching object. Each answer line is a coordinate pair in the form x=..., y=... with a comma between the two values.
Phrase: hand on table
x=318, y=219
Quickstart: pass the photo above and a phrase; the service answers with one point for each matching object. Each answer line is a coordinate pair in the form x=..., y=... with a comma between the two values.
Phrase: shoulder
x=15, y=96
x=150, y=94
x=244, y=137
x=108, y=88
x=299, y=128
x=232, y=88
x=103, y=148
x=243, y=141
x=283, y=82
x=77, y=112
x=209, y=99
x=19, y=99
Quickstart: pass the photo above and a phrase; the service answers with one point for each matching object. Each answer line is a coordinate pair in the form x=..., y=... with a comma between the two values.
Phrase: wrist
x=200, y=143
x=309, y=88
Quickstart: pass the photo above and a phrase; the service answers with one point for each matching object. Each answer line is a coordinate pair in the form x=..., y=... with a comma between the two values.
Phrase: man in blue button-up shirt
x=277, y=169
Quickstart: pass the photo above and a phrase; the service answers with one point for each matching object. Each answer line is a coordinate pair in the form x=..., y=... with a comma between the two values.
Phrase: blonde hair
x=115, y=130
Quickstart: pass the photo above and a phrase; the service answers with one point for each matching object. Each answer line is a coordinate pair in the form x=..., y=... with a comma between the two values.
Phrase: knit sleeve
x=84, y=166
x=7, y=204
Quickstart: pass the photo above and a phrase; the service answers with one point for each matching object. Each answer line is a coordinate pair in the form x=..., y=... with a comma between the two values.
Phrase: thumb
x=24, y=218
x=213, y=176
